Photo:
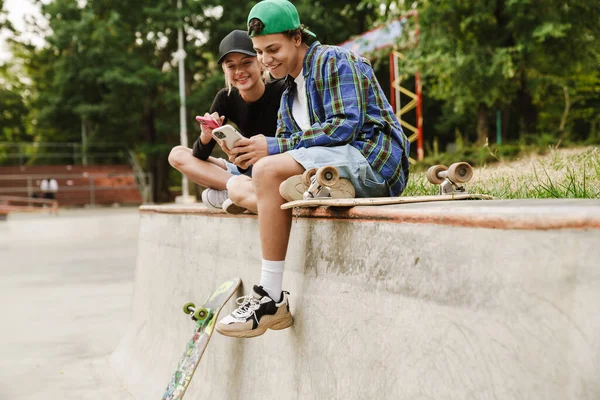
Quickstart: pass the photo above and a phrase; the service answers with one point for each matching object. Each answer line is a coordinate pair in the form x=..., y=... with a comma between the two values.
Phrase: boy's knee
x=271, y=171
x=178, y=155
x=265, y=169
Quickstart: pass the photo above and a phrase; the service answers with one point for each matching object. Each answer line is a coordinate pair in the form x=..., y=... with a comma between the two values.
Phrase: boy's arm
x=343, y=101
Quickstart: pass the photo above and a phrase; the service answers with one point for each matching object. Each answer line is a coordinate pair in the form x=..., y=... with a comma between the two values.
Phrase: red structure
x=386, y=36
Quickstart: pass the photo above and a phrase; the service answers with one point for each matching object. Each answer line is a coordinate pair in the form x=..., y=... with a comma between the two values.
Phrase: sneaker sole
x=276, y=325
x=231, y=208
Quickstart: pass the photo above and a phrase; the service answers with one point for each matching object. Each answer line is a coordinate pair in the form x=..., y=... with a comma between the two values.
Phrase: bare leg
x=241, y=192
x=210, y=173
x=274, y=223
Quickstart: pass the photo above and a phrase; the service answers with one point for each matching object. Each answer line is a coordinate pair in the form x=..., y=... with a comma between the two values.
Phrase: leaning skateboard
x=450, y=180
x=205, y=317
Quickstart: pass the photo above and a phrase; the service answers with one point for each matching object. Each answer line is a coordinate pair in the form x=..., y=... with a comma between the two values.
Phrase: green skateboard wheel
x=188, y=308
x=201, y=314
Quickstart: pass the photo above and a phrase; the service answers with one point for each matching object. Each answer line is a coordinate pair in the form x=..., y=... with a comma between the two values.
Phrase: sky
x=17, y=10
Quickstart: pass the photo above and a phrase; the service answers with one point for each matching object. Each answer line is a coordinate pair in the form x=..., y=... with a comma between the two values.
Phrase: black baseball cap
x=237, y=41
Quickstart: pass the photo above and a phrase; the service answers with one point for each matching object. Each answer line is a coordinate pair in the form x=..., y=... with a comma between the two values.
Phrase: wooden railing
x=27, y=204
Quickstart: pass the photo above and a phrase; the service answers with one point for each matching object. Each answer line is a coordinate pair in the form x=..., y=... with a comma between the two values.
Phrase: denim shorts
x=233, y=169
x=350, y=162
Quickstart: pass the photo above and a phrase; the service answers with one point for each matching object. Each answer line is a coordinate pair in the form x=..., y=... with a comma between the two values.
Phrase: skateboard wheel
x=433, y=174
x=200, y=314
x=188, y=308
x=460, y=172
x=307, y=175
x=328, y=176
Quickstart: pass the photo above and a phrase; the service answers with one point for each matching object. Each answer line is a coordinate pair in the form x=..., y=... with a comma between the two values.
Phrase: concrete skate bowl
x=454, y=300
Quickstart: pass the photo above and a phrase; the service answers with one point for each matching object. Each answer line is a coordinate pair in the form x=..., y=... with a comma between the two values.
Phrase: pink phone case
x=208, y=122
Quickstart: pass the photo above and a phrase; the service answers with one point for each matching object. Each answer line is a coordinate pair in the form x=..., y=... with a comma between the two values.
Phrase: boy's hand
x=247, y=152
x=206, y=134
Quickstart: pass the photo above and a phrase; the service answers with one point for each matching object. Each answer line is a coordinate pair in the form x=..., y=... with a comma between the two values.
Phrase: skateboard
x=205, y=318
x=449, y=179
x=319, y=182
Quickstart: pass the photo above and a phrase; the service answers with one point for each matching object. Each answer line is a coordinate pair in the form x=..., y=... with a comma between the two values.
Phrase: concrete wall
x=466, y=300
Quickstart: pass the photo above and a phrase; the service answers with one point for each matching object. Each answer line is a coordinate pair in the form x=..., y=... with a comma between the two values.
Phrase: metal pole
x=29, y=189
x=392, y=78
x=180, y=55
x=92, y=191
x=83, y=143
x=420, y=153
x=398, y=100
x=498, y=127
x=419, y=90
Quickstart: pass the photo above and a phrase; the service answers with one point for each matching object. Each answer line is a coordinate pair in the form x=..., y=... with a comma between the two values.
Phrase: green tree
x=107, y=69
x=13, y=103
x=521, y=56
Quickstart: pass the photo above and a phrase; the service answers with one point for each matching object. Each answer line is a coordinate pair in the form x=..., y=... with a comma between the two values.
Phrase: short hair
x=256, y=26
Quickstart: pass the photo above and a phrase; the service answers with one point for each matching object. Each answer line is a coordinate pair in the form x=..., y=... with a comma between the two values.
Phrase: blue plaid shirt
x=346, y=106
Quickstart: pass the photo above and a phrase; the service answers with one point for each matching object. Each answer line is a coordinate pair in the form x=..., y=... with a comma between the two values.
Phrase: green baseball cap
x=277, y=16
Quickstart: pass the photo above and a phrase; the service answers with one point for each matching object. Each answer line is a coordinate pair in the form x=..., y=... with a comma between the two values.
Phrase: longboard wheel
x=460, y=172
x=328, y=176
x=189, y=308
x=307, y=175
x=200, y=314
x=432, y=174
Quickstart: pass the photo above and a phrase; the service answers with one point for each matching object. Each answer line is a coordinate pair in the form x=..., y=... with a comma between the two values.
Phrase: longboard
x=205, y=318
x=380, y=201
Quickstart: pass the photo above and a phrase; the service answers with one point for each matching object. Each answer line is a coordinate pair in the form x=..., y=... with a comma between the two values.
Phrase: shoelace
x=247, y=306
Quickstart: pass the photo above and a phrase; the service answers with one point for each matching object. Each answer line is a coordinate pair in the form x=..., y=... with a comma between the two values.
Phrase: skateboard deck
x=380, y=201
x=205, y=318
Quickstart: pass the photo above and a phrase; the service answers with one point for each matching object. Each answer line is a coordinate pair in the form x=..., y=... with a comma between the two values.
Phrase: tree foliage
x=107, y=68
x=534, y=60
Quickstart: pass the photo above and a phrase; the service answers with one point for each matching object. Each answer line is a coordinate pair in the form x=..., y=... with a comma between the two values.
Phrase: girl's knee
x=178, y=156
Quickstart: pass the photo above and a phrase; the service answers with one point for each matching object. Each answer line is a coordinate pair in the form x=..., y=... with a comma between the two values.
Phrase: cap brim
x=246, y=52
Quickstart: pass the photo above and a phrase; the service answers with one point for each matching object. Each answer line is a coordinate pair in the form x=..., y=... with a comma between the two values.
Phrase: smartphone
x=226, y=134
x=207, y=122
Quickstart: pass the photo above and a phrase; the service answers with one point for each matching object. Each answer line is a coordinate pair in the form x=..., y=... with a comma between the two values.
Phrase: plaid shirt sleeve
x=342, y=94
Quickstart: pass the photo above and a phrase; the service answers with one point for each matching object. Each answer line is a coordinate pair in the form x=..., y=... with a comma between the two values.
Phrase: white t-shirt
x=53, y=185
x=45, y=185
x=300, y=104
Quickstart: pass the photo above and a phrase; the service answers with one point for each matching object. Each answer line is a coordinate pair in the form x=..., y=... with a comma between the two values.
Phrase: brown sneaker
x=294, y=188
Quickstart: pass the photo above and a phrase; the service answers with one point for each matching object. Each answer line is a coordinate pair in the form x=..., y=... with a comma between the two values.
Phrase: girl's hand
x=206, y=134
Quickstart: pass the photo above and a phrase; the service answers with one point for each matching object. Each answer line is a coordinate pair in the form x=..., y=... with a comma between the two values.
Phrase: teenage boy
x=333, y=113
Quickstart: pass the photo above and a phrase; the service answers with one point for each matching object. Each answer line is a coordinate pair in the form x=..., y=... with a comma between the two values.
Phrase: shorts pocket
x=371, y=179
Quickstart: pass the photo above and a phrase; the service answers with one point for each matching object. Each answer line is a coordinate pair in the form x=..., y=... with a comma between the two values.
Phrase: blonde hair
x=265, y=76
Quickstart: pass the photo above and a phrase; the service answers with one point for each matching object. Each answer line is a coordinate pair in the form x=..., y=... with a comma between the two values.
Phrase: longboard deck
x=195, y=348
x=380, y=201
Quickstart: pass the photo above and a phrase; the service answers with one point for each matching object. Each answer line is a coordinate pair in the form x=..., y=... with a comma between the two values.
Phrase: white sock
x=271, y=278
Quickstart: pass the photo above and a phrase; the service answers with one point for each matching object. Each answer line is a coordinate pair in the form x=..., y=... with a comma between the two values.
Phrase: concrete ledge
x=484, y=300
x=496, y=214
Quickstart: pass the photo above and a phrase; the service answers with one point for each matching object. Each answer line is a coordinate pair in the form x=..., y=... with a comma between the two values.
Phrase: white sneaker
x=256, y=313
x=213, y=198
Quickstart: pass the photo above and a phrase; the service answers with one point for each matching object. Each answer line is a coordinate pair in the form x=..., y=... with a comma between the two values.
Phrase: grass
x=561, y=173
